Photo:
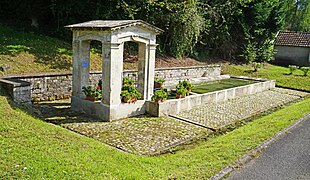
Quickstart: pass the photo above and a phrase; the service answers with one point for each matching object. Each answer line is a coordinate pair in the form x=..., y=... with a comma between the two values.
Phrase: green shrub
x=256, y=66
x=292, y=68
x=305, y=70
x=14, y=49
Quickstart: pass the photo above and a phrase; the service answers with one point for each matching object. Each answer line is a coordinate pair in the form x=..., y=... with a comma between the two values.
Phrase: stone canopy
x=112, y=34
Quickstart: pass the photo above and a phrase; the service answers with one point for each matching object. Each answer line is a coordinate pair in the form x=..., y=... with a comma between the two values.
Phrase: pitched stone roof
x=112, y=25
x=300, y=39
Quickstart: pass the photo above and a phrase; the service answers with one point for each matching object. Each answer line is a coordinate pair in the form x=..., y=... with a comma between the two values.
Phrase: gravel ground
x=218, y=115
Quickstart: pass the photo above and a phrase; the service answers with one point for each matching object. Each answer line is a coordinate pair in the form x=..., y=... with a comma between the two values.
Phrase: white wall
x=287, y=55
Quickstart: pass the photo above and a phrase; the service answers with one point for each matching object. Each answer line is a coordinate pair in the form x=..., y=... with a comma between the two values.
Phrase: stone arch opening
x=113, y=35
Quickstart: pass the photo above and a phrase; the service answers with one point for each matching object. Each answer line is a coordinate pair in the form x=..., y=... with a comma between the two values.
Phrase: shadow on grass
x=48, y=51
x=59, y=112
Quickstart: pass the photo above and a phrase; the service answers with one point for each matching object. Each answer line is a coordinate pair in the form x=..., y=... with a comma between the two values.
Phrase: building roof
x=112, y=25
x=299, y=39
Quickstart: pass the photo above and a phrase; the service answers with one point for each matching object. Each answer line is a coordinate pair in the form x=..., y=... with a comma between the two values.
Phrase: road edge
x=251, y=154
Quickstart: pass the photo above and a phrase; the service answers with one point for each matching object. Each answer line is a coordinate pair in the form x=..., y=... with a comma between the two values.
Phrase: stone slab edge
x=249, y=156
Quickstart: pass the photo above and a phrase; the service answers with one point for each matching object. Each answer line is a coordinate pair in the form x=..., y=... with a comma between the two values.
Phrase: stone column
x=142, y=70
x=81, y=63
x=151, y=70
x=112, y=68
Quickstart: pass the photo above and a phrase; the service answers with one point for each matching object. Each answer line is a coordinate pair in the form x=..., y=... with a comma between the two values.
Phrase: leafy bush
x=256, y=66
x=305, y=70
x=292, y=68
x=14, y=49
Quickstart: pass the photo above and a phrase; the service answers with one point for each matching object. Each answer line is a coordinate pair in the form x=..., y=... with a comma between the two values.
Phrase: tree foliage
x=298, y=15
x=231, y=29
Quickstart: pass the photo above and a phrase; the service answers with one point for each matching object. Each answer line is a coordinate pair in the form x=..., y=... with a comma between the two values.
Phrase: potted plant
x=158, y=82
x=187, y=85
x=129, y=92
x=160, y=95
x=181, y=91
x=93, y=93
x=128, y=81
x=129, y=96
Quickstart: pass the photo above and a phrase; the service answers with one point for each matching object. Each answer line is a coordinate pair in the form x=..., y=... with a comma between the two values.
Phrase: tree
x=298, y=15
x=243, y=29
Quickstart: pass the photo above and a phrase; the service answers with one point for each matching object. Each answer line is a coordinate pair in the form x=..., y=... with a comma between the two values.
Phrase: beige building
x=293, y=48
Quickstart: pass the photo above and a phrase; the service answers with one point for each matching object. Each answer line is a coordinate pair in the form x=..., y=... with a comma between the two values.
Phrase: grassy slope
x=36, y=53
x=32, y=148
x=280, y=74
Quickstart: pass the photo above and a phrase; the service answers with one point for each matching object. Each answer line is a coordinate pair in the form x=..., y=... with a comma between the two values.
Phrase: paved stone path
x=217, y=115
x=148, y=135
x=141, y=135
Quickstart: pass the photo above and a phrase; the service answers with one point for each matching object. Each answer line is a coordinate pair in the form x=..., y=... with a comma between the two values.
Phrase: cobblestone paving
x=148, y=135
x=217, y=115
x=142, y=135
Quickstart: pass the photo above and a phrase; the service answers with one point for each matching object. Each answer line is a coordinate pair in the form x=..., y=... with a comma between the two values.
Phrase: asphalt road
x=288, y=158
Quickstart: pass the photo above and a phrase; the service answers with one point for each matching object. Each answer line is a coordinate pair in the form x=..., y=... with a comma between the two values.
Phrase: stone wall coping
x=251, y=78
x=69, y=73
x=15, y=82
x=36, y=75
x=189, y=67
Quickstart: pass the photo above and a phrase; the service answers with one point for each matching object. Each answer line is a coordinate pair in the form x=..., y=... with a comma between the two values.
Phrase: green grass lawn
x=31, y=148
x=219, y=85
x=26, y=52
x=278, y=73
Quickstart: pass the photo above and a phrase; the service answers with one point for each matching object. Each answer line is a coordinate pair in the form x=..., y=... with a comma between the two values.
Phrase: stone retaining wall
x=20, y=91
x=51, y=86
x=175, y=106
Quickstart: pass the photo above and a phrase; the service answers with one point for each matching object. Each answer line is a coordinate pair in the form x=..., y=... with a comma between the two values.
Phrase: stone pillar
x=142, y=70
x=81, y=66
x=151, y=70
x=112, y=68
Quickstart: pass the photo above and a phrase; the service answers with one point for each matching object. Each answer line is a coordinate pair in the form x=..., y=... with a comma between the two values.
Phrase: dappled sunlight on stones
x=150, y=136
x=218, y=115
x=142, y=135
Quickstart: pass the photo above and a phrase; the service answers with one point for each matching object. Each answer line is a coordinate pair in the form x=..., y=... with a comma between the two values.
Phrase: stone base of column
x=108, y=113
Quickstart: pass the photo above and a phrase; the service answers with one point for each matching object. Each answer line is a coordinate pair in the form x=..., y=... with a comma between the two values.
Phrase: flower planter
x=160, y=100
x=90, y=98
x=158, y=85
x=129, y=100
x=178, y=96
